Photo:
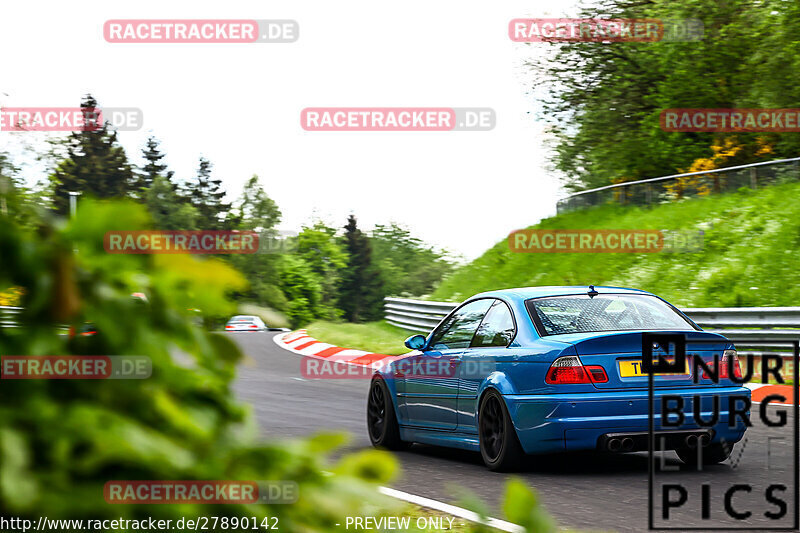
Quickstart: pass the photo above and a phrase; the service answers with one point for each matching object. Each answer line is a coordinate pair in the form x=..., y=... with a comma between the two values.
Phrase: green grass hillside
x=751, y=253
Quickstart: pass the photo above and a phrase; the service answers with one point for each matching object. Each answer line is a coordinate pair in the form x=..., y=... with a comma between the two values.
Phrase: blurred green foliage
x=62, y=440
x=522, y=507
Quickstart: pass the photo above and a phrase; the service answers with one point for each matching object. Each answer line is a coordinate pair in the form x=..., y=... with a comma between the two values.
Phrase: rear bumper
x=639, y=441
x=563, y=422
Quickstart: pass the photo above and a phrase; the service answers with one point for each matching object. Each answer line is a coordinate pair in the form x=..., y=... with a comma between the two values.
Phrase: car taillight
x=253, y=326
x=228, y=327
x=726, y=357
x=569, y=370
x=724, y=363
x=597, y=373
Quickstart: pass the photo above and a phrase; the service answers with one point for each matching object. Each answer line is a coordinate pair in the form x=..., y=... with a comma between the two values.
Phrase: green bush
x=300, y=312
x=62, y=440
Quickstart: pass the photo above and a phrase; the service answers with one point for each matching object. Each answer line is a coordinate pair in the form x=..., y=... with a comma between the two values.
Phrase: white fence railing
x=668, y=188
x=742, y=325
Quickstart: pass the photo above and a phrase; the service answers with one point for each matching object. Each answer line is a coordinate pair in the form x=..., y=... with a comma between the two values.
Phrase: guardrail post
x=753, y=178
x=648, y=194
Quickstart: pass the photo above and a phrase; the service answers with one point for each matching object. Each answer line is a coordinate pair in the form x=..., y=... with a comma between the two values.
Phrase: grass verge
x=749, y=255
x=377, y=337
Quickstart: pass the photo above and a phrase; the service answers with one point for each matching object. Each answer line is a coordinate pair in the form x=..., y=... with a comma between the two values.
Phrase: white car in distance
x=245, y=323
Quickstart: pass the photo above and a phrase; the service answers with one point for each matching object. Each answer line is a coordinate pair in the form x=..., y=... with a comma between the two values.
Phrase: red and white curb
x=301, y=343
x=760, y=391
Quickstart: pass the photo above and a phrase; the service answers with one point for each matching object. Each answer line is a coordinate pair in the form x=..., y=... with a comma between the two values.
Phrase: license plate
x=632, y=369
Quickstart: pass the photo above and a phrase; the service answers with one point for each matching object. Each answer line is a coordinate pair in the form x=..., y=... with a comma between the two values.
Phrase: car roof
x=526, y=293
x=244, y=317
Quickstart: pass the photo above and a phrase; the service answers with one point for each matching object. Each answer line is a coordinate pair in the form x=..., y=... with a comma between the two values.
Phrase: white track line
x=460, y=512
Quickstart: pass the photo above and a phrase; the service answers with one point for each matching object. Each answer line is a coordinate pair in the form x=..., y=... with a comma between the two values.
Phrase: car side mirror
x=415, y=342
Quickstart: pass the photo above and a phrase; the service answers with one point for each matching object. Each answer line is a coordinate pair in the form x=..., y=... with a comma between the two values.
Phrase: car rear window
x=582, y=313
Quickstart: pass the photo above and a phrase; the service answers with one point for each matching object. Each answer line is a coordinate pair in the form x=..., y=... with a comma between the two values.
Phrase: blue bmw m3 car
x=550, y=369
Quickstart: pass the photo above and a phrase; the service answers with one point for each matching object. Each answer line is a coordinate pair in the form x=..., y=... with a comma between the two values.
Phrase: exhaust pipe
x=704, y=439
x=614, y=445
x=627, y=444
x=691, y=441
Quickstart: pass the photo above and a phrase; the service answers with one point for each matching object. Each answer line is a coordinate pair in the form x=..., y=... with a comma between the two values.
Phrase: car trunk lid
x=620, y=354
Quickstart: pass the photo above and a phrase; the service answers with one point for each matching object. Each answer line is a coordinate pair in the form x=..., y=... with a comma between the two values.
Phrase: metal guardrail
x=687, y=184
x=416, y=315
x=7, y=316
x=745, y=326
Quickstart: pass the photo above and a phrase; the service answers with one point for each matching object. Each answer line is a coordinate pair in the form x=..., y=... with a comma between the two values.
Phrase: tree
x=257, y=211
x=604, y=99
x=8, y=184
x=408, y=265
x=23, y=204
x=168, y=209
x=301, y=287
x=206, y=195
x=362, y=290
x=153, y=167
x=95, y=164
x=318, y=247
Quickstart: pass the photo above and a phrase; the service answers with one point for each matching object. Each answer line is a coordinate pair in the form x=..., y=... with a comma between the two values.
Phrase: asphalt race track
x=588, y=491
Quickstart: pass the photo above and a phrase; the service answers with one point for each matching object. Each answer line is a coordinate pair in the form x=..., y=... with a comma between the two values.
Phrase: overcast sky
x=239, y=104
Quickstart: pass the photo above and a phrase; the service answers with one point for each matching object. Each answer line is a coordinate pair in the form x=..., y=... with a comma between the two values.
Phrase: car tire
x=500, y=447
x=382, y=426
x=713, y=454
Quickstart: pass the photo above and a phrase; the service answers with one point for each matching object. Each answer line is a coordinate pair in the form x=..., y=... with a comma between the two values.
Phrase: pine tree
x=361, y=292
x=206, y=195
x=153, y=167
x=95, y=164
